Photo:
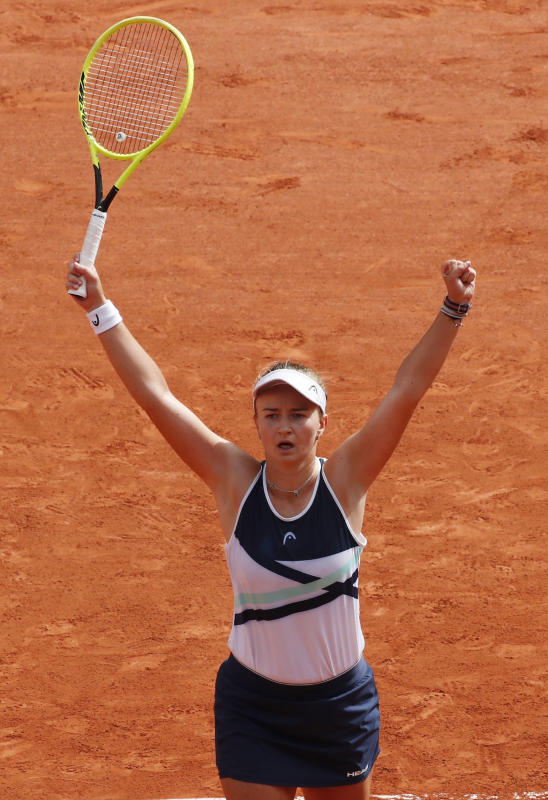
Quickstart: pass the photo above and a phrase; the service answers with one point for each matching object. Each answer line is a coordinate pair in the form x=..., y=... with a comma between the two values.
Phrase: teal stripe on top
x=302, y=589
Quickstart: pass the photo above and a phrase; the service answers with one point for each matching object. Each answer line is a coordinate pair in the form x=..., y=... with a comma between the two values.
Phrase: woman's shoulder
x=240, y=469
x=349, y=492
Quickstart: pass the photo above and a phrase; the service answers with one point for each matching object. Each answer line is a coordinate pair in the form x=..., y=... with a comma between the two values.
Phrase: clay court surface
x=332, y=157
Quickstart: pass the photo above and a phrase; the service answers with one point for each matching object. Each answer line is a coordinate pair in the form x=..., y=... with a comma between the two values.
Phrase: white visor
x=299, y=381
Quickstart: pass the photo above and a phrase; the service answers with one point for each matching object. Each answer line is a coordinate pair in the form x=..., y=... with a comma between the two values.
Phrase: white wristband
x=104, y=318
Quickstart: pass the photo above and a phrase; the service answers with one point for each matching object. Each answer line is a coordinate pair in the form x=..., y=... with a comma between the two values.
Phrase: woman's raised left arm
x=358, y=461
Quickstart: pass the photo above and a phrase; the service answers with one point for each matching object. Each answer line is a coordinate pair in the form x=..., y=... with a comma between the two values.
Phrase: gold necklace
x=291, y=491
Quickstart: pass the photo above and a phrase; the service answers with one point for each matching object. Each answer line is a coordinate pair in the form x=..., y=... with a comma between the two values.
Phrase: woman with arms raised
x=295, y=702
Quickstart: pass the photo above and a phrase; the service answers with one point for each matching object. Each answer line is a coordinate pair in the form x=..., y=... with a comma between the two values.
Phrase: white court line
x=513, y=796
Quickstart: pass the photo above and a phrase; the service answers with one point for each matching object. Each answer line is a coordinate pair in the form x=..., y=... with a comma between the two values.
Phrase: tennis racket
x=135, y=86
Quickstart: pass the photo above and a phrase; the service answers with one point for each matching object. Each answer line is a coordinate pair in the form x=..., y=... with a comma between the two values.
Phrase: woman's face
x=288, y=424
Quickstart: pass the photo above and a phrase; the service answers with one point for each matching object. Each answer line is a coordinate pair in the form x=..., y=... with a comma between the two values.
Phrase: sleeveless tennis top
x=295, y=582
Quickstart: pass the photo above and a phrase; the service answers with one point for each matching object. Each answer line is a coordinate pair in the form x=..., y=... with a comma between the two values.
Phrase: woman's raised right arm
x=210, y=456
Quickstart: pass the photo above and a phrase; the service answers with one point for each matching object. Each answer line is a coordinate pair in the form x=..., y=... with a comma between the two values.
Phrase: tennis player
x=295, y=703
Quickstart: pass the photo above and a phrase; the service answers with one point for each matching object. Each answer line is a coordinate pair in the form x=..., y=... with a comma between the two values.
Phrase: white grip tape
x=90, y=247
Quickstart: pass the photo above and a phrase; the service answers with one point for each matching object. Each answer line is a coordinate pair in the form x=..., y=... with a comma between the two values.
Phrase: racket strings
x=134, y=87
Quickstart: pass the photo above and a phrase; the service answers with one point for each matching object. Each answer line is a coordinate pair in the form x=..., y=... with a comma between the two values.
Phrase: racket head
x=137, y=81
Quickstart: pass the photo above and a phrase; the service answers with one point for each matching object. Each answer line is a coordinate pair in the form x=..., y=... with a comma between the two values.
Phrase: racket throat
x=98, y=184
x=103, y=205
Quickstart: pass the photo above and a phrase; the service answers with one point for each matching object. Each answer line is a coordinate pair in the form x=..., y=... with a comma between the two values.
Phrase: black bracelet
x=460, y=308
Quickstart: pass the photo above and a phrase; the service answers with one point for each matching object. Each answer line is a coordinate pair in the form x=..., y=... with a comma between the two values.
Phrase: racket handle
x=90, y=247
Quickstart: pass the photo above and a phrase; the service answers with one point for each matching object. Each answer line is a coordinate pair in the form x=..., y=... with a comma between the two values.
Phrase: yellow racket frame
x=138, y=155
x=96, y=224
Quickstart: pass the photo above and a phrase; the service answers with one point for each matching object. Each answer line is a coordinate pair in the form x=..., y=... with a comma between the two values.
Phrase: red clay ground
x=333, y=155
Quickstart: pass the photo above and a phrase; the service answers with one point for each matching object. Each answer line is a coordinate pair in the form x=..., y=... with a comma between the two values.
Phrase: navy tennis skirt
x=318, y=735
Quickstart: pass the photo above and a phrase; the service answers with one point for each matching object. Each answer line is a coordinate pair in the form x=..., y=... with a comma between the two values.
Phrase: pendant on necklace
x=295, y=492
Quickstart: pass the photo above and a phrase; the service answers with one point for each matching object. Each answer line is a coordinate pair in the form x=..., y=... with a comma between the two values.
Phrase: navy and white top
x=295, y=582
